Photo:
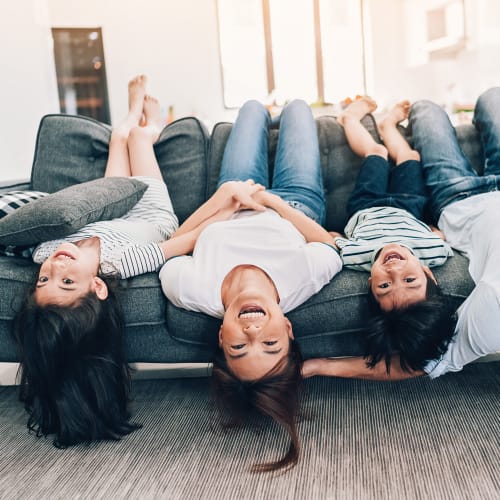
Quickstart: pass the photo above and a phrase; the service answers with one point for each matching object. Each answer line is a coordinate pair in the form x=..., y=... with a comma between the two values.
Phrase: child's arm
x=230, y=192
x=356, y=368
x=437, y=231
x=184, y=243
x=312, y=231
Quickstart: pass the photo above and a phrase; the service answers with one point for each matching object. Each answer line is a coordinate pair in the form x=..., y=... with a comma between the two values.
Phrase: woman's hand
x=241, y=192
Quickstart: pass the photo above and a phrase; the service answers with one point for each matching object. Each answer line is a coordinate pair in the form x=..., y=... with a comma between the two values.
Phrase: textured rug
x=417, y=439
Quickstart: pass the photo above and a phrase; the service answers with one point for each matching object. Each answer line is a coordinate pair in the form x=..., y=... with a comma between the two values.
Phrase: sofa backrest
x=339, y=164
x=73, y=149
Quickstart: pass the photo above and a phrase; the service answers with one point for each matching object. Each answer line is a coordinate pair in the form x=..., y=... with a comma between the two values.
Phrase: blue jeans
x=378, y=186
x=297, y=177
x=448, y=174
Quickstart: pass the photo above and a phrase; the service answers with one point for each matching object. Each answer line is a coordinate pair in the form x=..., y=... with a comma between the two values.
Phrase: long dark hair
x=75, y=382
x=418, y=333
x=276, y=395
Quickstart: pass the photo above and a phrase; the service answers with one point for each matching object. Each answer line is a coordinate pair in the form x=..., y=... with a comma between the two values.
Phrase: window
x=285, y=49
x=81, y=72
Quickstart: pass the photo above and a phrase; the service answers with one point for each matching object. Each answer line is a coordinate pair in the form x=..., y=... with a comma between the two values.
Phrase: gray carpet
x=414, y=439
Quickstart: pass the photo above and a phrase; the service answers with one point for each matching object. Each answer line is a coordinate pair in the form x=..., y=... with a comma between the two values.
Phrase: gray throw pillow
x=9, y=202
x=64, y=212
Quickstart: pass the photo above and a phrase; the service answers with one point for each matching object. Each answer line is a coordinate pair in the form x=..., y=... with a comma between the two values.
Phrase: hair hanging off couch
x=75, y=381
x=276, y=395
x=418, y=333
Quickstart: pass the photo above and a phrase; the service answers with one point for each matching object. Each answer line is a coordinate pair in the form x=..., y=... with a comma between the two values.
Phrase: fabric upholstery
x=74, y=149
x=64, y=212
x=10, y=201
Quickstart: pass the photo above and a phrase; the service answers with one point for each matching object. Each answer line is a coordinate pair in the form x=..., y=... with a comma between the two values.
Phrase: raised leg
x=141, y=139
x=245, y=155
x=118, y=164
x=447, y=172
x=487, y=122
x=297, y=174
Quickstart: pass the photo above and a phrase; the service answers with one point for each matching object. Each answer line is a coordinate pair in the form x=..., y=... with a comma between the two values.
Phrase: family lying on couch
x=256, y=250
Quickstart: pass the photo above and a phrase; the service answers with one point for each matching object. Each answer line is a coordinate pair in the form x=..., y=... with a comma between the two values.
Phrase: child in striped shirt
x=75, y=378
x=385, y=234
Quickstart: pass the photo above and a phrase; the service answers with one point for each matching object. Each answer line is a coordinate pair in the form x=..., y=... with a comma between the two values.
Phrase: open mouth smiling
x=249, y=312
x=392, y=256
x=64, y=254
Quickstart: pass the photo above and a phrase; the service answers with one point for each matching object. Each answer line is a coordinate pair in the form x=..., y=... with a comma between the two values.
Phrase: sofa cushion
x=339, y=164
x=9, y=202
x=68, y=210
x=74, y=149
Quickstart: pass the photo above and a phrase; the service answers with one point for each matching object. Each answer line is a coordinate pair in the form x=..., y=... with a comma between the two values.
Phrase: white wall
x=174, y=42
x=27, y=85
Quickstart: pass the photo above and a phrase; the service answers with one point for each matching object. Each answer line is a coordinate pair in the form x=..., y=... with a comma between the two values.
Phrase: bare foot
x=397, y=114
x=152, y=116
x=136, y=93
x=357, y=109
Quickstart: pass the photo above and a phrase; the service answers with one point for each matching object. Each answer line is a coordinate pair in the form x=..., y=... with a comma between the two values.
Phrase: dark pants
x=378, y=185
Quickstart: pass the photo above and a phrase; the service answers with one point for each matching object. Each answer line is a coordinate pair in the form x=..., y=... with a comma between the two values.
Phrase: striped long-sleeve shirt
x=130, y=244
x=367, y=231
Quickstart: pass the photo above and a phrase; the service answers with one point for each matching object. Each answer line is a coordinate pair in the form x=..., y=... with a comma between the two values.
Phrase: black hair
x=75, y=381
x=276, y=395
x=417, y=333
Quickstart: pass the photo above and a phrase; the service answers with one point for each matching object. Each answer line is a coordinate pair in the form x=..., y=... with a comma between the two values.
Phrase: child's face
x=69, y=274
x=398, y=279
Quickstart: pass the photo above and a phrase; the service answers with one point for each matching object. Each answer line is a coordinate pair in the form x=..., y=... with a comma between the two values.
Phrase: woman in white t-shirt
x=267, y=255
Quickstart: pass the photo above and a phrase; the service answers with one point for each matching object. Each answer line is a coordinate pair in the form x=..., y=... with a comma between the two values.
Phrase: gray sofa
x=72, y=149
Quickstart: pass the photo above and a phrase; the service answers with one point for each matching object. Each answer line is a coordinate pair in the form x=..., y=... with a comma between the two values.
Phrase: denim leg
x=371, y=185
x=447, y=172
x=297, y=170
x=245, y=154
x=487, y=122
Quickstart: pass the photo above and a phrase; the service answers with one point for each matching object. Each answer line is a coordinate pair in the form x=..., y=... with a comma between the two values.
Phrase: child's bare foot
x=136, y=93
x=396, y=115
x=152, y=116
x=357, y=109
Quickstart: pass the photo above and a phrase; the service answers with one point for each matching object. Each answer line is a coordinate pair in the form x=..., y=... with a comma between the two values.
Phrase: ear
x=289, y=328
x=100, y=288
x=220, y=336
x=430, y=274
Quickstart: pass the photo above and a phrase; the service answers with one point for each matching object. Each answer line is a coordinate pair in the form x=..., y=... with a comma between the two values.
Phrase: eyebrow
x=238, y=356
x=61, y=287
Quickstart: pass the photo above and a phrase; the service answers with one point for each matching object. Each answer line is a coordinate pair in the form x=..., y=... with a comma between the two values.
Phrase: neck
x=247, y=278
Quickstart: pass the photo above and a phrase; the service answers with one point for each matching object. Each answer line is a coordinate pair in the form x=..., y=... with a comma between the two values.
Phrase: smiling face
x=398, y=279
x=255, y=334
x=69, y=274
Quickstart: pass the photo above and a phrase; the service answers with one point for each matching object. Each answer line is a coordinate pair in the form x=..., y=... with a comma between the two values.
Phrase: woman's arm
x=230, y=192
x=184, y=243
x=311, y=230
x=356, y=368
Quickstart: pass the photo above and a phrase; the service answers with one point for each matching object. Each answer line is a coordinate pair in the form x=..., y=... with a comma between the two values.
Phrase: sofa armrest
x=14, y=185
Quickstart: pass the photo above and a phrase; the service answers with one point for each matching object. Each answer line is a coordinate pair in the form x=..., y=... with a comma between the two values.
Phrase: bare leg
x=359, y=139
x=399, y=149
x=118, y=160
x=141, y=139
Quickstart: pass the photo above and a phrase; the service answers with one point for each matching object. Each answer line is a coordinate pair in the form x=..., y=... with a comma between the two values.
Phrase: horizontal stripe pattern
x=130, y=244
x=367, y=231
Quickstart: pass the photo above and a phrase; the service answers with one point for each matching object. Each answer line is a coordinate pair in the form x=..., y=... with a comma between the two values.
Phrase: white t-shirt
x=263, y=239
x=471, y=226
